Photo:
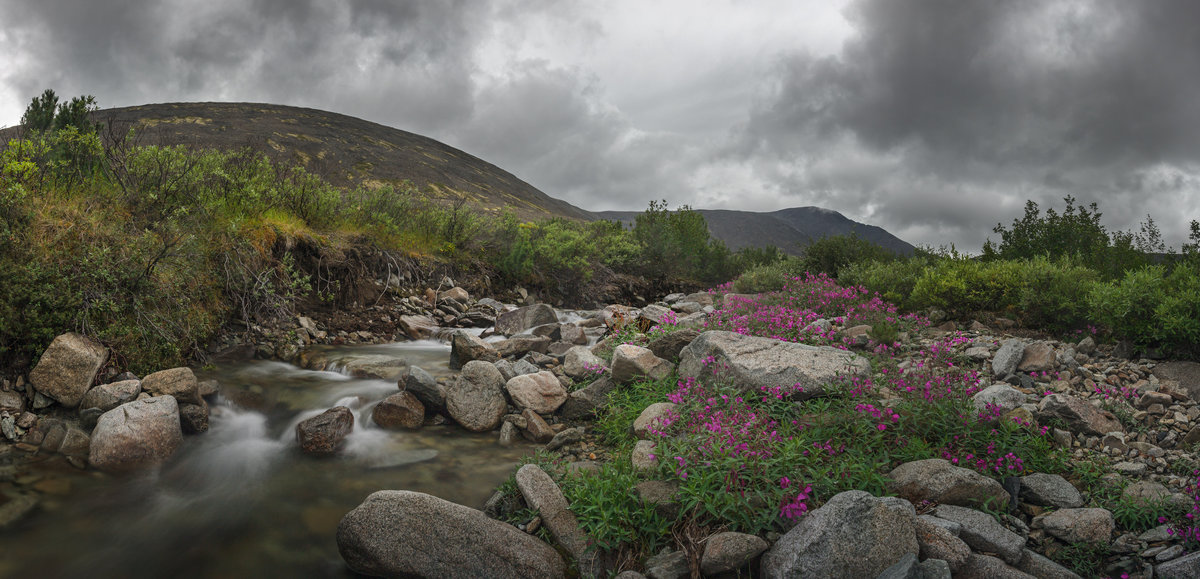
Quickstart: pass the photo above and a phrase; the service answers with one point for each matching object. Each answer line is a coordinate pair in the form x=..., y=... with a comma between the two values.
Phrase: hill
x=342, y=149
x=788, y=229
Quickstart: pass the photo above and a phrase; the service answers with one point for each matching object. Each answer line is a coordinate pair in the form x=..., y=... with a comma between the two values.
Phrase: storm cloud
x=935, y=119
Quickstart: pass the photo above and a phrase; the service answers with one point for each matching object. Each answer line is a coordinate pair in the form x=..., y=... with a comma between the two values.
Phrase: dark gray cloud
x=965, y=109
x=933, y=118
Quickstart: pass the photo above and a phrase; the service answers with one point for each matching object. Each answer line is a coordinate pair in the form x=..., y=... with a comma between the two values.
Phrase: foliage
x=1074, y=232
x=676, y=244
x=829, y=255
x=1152, y=307
x=768, y=277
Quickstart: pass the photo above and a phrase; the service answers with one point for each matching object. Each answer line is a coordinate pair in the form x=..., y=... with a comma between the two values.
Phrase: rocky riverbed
x=509, y=376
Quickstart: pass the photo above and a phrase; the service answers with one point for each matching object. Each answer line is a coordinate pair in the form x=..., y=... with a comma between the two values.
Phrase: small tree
x=40, y=114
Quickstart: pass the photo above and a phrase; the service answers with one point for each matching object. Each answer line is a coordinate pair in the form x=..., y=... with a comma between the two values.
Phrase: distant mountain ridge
x=788, y=229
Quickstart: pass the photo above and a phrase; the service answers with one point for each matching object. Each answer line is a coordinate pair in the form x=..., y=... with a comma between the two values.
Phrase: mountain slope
x=343, y=149
x=788, y=229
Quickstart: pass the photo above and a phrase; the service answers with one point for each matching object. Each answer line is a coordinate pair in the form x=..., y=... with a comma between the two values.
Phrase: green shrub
x=829, y=255
x=767, y=277
x=1152, y=308
x=1053, y=295
x=893, y=280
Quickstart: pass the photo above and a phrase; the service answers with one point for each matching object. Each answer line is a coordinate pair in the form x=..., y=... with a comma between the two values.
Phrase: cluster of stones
x=119, y=425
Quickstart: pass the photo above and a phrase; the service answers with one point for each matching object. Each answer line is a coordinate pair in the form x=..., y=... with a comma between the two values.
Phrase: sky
x=934, y=119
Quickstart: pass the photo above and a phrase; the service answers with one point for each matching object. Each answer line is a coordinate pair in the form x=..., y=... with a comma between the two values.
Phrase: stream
x=241, y=500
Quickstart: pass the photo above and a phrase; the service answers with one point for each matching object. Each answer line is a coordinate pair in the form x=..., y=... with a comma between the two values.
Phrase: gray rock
x=669, y=346
x=906, y=568
x=1003, y=396
x=422, y=385
x=1079, y=415
x=12, y=402
x=521, y=319
x=935, y=479
x=75, y=443
x=985, y=567
x=1086, y=346
x=410, y=534
x=1043, y=568
x=1005, y=361
x=631, y=363
x=670, y=565
x=568, y=436
x=14, y=507
x=934, y=569
x=936, y=542
x=1037, y=357
x=509, y=434
x=67, y=368
x=324, y=433
x=476, y=400
x=402, y=410
x=641, y=456
x=725, y=552
x=1090, y=525
x=524, y=366
x=517, y=346
x=375, y=366
x=543, y=495
x=535, y=428
x=109, y=396
x=178, y=382
x=465, y=347
x=982, y=533
x=652, y=416
x=193, y=418
x=580, y=362
x=1050, y=490
x=540, y=392
x=753, y=362
x=852, y=535
x=1187, y=567
x=136, y=434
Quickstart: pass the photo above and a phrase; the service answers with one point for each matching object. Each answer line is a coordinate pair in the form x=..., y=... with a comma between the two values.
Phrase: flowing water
x=241, y=500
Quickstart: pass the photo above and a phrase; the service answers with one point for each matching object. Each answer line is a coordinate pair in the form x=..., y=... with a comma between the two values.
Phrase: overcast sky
x=934, y=119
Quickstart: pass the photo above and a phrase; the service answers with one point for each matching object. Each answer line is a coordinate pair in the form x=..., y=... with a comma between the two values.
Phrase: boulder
x=193, y=418
x=631, y=363
x=536, y=428
x=521, y=319
x=13, y=402
x=417, y=327
x=986, y=567
x=67, y=368
x=1037, y=357
x=375, y=366
x=410, y=534
x=1187, y=567
x=982, y=533
x=1079, y=415
x=457, y=294
x=583, y=403
x=1090, y=525
x=580, y=362
x=517, y=346
x=670, y=345
x=541, y=392
x=422, y=385
x=852, y=535
x=938, y=543
x=655, y=416
x=109, y=396
x=324, y=433
x=465, y=347
x=178, y=382
x=1039, y=566
x=729, y=551
x=402, y=410
x=937, y=480
x=753, y=362
x=476, y=399
x=1001, y=396
x=643, y=457
x=1005, y=361
x=1050, y=490
x=136, y=434
x=543, y=495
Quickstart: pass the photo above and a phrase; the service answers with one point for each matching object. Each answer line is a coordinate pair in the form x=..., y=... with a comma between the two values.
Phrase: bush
x=767, y=277
x=1152, y=308
x=893, y=280
x=829, y=255
x=1053, y=295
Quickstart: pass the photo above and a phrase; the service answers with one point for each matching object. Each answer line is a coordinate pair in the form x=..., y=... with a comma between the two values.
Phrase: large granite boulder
x=178, y=382
x=324, y=433
x=417, y=327
x=465, y=347
x=401, y=410
x=521, y=319
x=67, y=368
x=410, y=534
x=1079, y=414
x=854, y=534
x=540, y=392
x=580, y=362
x=136, y=434
x=425, y=387
x=981, y=531
x=631, y=363
x=109, y=396
x=476, y=399
x=542, y=494
x=753, y=362
x=937, y=480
